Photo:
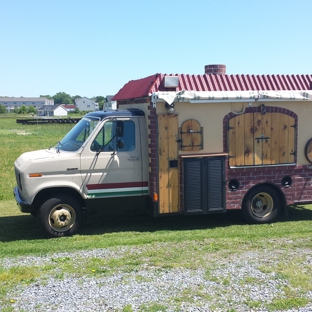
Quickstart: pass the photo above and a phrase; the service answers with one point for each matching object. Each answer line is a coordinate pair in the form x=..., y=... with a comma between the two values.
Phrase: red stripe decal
x=116, y=185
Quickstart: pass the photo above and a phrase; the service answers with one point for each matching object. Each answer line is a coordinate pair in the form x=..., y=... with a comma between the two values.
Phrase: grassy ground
x=18, y=138
x=184, y=242
x=165, y=243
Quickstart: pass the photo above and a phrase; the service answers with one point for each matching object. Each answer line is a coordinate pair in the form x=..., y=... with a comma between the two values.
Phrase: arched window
x=191, y=135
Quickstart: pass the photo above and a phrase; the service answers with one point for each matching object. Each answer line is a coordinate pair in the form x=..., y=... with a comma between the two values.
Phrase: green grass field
x=17, y=139
x=183, y=238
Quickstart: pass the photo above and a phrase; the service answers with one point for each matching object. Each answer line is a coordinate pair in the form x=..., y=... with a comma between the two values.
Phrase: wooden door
x=168, y=174
x=261, y=139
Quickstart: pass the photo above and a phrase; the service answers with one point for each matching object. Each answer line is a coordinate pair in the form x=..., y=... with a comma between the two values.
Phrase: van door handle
x=133, y=158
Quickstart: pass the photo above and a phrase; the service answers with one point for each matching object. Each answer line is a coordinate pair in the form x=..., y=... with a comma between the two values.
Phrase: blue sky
x=94, y=47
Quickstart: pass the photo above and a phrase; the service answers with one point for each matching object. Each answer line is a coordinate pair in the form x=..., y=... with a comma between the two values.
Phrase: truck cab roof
x=116, y=113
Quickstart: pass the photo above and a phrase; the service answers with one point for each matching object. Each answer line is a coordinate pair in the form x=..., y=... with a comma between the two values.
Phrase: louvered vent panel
x=204, y=188
x=215, y=184
x=192, y=184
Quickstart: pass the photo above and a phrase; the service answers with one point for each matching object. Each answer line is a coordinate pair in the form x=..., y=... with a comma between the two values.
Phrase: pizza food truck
x=188, y=144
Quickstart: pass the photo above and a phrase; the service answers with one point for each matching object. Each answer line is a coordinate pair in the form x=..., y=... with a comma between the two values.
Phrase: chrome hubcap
x=262, y=205
x=62, y=218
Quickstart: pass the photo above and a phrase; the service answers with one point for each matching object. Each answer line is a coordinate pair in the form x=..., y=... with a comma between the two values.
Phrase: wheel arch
x=279, y=192
x=48, y=192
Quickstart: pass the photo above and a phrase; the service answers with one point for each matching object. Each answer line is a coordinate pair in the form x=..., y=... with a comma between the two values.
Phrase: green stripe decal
x=119, y=193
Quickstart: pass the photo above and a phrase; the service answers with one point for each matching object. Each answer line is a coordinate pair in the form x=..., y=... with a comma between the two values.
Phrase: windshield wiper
x=58, y=144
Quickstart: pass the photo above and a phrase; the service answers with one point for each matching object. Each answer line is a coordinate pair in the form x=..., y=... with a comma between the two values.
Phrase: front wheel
x=261, y=205
x=61, y=215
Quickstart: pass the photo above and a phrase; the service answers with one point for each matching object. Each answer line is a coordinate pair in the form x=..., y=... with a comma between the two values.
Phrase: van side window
x=127, y=137
x=115, y=135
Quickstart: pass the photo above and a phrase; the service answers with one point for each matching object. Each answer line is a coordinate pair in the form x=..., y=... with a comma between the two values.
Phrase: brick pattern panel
x=300, y=190
x=152, y=150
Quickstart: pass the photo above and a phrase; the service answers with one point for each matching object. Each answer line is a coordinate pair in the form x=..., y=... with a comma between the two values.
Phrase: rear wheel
x=261, y=205
x=61, y=215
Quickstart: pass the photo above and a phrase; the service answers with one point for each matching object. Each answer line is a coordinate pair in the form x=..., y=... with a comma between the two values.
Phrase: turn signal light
x=35, y=175
x=155, y=197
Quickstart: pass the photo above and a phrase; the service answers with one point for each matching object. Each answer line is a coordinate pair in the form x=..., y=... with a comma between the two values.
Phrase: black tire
x=60, y=215
x=261, y=205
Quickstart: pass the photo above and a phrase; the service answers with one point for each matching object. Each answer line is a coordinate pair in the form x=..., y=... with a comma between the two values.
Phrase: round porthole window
x=308, y=150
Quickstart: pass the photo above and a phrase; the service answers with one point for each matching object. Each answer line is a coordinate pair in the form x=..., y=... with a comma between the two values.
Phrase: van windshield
x=75, y=138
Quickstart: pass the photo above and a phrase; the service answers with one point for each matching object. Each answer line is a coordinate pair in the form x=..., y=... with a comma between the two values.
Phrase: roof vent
x=215, y=69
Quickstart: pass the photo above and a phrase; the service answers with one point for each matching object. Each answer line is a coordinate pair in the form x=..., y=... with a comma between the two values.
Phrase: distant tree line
x=65, y=98
x=59, y=98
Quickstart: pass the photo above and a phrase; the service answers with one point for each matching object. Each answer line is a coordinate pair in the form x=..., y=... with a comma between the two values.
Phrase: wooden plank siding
x=162, y=164
x=168, y=176
x=258, y=131
x=173, y=172
x=291, y=139
x=275, y=141
x=249, y=140
x=261, y=139
x=266, y=143
x=186, y=136
x=283, y=139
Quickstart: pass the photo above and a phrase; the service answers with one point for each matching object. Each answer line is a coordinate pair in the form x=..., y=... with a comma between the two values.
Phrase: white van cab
x=104, y=155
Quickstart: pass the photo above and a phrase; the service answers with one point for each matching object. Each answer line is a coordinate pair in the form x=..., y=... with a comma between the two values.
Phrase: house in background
x=13, y=102
x=69, y=107
x=109, y=104
x=85, y=104
x=52, y=110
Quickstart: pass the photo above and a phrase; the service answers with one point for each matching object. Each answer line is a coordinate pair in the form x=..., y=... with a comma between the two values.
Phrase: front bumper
x=23, y=205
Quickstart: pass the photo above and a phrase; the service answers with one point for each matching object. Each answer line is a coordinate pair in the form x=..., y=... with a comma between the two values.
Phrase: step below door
x=204, y=184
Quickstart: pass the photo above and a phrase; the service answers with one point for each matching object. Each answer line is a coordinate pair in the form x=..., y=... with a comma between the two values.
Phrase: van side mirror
x=120, y=128
x=120, y=144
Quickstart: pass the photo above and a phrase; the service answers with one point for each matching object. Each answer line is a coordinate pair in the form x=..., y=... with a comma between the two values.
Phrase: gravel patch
x=43, y=260
x=234, y=284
